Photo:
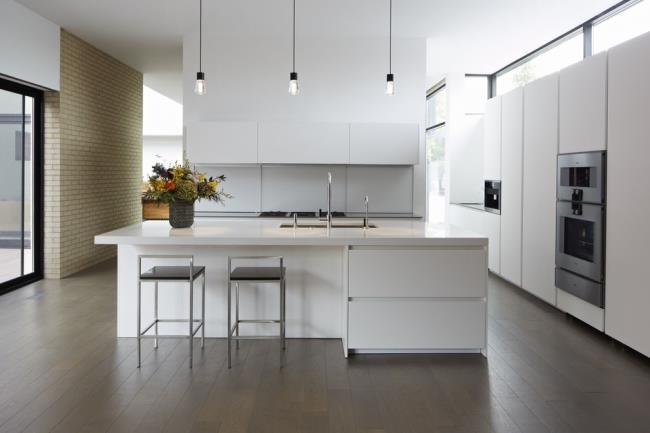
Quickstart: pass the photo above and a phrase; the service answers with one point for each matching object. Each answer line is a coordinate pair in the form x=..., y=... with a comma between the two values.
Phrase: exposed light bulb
x=199, y=87
x=390, y=85
x=294, y=89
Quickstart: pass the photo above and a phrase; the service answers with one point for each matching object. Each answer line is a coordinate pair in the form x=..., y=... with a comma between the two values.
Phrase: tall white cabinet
x=492, y=139
x=583, y=105
x=539, y=174
x=627, y=309
x=511, y=186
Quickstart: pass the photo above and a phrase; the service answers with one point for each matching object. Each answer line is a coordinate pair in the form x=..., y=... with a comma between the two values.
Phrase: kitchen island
x=404, y=286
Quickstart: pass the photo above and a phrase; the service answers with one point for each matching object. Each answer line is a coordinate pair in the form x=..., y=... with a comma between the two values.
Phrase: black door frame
x=38, y=187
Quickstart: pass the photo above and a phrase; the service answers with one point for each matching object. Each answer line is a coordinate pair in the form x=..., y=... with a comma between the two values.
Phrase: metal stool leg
x=139, y=319
x=283, y=312
x=155, y=314
x=203, y=313
x=237, y=314
x=191, y=319
x=229, y=319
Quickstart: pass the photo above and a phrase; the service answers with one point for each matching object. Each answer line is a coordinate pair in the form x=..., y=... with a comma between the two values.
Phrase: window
x=476, y=93
x=20, y=175
x=629, y=22
x=437, y=173
x=567, y=51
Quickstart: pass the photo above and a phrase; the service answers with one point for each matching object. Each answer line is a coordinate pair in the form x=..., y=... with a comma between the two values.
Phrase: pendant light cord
x=390, y=37
x=200, y=33
x=294, y=36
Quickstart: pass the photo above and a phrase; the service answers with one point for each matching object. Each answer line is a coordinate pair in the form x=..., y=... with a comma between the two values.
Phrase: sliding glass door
x=20, y=185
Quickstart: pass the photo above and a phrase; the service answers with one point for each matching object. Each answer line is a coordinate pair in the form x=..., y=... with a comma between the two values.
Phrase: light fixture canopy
x=294, y=89
x=200, y=85
x=390, y=78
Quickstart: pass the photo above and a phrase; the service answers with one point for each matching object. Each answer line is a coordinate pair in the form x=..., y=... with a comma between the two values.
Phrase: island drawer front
x=416, y=324
x=417, y=273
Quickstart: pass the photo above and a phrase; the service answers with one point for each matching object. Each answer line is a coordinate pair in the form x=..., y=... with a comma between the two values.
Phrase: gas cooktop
x=301, y=214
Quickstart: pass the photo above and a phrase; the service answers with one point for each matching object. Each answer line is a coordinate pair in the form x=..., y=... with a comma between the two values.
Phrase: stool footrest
x=256, y=337
x=194, y=331
x=259, y=321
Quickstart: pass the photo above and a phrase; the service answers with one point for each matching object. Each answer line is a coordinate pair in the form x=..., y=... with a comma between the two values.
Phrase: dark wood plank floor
x=62, y=370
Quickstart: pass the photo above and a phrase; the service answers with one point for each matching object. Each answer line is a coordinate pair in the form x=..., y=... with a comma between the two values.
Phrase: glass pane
x=437, y=107
x=566, y=53
x=28, y=216
x=437, y=174
x=476, y=94
x=625, y=25
x=579, y=238
x=11, y=150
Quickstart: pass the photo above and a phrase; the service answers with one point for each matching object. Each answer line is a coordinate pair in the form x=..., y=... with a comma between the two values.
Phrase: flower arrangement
x=180, y=183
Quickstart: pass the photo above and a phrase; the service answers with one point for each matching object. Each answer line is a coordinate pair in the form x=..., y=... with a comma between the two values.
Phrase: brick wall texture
x=93, y=156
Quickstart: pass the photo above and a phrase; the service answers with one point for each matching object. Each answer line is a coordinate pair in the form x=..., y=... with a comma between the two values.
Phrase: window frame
x=430, y=94
x=587, y=31
x=37, y=186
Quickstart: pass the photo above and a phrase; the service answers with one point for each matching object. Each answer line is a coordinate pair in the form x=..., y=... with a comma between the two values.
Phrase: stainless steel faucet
x=329, y=200
x=365, y=220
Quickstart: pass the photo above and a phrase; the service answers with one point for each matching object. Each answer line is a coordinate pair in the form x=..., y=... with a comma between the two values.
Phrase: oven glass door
x=580, y=239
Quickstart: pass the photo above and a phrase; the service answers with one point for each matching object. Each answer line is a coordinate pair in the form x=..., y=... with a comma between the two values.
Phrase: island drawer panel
x=417, y=273
x=416, y=324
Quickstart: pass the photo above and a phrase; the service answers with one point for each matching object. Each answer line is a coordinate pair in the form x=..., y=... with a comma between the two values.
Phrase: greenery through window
x=437, y=172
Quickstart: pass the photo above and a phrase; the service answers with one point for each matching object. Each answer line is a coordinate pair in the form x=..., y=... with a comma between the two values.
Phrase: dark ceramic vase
x=181, y=214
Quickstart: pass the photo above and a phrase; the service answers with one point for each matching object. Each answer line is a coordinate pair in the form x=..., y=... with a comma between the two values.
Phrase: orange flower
x=170, y=185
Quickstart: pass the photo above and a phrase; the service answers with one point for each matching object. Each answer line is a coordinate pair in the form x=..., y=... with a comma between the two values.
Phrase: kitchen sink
x=324, y=225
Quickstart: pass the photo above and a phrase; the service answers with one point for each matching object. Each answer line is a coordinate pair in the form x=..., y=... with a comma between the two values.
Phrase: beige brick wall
x=93, y=156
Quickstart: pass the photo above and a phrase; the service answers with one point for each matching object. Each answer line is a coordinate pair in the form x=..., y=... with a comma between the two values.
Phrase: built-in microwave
x=581, y=177
x=492, y=196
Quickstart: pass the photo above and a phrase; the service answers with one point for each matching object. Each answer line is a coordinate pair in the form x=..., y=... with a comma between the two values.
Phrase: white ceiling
x=477, y=36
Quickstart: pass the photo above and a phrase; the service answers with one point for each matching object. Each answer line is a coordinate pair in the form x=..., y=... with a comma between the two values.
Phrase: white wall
x=342, y=80
x=29, y=46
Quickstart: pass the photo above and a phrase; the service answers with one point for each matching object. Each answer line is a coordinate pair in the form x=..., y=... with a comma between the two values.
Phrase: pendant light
x=390, y=78
x=199, y=87
x=294, y=89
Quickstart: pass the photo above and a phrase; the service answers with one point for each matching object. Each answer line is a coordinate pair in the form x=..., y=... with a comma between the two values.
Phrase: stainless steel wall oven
x=580, y=241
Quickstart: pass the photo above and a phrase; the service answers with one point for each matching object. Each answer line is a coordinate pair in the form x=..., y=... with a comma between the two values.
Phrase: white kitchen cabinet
x=583, y=105
x=221, y=142
x=512, y=105
x=431, y=273
x=487, y=224
x=304, y=143
x=492, y=139
x=627, y=300
x=384, y=143
x=492, y=229
x=406, y=324
x=539, y=197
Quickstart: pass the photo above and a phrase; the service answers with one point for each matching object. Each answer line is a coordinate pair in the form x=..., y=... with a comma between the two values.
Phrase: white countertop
x=267, y=231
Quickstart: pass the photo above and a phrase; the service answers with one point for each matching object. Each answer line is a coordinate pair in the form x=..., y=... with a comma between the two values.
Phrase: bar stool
x=159, y=274
x=255, y=274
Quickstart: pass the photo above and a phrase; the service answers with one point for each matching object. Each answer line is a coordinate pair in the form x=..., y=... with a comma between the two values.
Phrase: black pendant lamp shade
x=294, y=89
x=199, y=86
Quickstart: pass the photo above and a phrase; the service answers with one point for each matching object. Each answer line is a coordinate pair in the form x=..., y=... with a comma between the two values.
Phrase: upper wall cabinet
x=540, y=156
x=304, y=143
x=221, y=142
x=628, y=196
x=512, y=116
x=384, y=143
x=492, y=140
x=583, y=105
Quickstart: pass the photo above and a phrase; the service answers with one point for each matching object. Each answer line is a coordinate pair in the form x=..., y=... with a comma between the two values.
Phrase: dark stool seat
x=171, y=273
x=257, y=273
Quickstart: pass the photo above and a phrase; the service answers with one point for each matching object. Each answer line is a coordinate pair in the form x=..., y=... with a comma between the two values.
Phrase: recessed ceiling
x=463, y=35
